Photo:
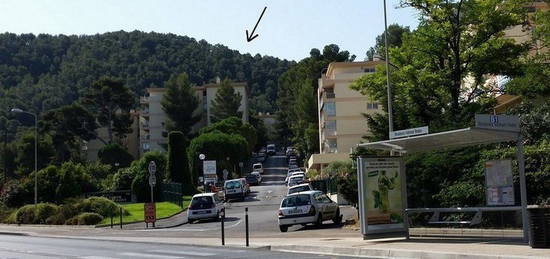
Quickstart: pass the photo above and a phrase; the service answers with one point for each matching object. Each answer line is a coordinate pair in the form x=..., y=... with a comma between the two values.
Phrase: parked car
x=307, y=207
x=295, y=180
x=299, y=188
x=254, y=178
x=291, y=171
x=204, y=206
x=271, y=149
x=258, y=167
x=234, y=189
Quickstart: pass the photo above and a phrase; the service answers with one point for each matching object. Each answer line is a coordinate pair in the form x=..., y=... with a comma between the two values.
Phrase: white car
x=258, y=167
x=299, y=188
x=295, y=180
x=234, y=189
x=307, y=207
x=291, y=172
x=205, y=206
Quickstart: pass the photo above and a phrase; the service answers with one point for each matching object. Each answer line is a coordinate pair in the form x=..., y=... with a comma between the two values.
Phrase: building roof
x=199, y=87
x=334, y=65
x=444, y=140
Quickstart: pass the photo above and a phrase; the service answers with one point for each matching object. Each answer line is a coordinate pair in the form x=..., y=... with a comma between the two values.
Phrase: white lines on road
x=144, y=255
x=183, y=253
x=96, y=257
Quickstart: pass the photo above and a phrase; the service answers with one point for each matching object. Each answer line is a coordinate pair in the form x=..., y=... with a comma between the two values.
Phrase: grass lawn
x=164, y=210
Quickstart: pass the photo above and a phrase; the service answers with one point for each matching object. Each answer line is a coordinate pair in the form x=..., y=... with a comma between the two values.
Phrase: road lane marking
x=182, y=253
x=150, y=255
x=96, y=257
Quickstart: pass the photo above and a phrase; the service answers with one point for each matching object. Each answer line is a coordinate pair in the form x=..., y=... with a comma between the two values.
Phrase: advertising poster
x=384, y=203
x=382, y=195
x=499, y=183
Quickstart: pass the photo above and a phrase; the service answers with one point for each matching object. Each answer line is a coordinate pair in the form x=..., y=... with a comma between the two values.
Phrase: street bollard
x=112, y=218
x=246, y=223
x=120, y=217
x=223, y=228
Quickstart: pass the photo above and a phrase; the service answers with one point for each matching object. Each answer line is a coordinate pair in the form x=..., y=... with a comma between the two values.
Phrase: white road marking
x=96, y=257
x=183, y=253
x=150, y=255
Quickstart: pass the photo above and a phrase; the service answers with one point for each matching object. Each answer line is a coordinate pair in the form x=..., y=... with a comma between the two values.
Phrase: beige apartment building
x=152, y=125
x=341, y=121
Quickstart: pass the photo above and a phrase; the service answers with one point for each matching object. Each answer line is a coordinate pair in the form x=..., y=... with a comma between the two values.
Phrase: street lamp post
x=390, y=110
x=17, y=110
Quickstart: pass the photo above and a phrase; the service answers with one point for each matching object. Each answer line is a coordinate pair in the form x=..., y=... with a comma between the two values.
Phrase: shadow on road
x=227, y=219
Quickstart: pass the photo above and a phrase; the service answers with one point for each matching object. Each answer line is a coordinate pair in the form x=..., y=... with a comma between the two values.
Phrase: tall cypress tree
x=177, y=168
x=179, y=103
x=226, y=103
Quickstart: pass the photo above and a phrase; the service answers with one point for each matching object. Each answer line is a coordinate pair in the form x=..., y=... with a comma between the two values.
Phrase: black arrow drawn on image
x=251, y=36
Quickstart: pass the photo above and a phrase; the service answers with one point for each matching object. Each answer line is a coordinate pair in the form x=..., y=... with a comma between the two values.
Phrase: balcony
x=144, y=100
x=326, y=82
x=144, y=113
x=145, y=126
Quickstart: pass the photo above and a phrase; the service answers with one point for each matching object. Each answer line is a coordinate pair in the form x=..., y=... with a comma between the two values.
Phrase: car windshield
x=232, y=184
x=296, y=200
x=298, y=189
x=202, y=202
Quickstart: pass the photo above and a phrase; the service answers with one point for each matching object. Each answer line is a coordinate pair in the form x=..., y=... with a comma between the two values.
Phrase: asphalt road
x=262, y=204
x=42, y=247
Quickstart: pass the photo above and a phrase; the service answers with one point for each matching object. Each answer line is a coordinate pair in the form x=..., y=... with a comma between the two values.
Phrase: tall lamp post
x=17, y=110
x=390, y=110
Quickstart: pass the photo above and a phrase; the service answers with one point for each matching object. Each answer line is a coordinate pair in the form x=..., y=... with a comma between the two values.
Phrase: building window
x=372, y=106
x=369, y=70
x=332, y=146
x=330, y=109
x=330, y=93
x=330, y=127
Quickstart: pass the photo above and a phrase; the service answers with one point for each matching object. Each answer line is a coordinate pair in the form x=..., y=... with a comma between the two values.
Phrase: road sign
x=152, y=167
x=408, y=132
x=152, y=170
x=150, y=212
x=498, y=122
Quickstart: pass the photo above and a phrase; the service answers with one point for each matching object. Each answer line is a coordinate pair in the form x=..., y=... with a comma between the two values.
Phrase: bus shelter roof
x=444, y=140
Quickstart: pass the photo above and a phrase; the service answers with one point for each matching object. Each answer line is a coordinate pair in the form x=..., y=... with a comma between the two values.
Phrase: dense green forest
x=42, y=72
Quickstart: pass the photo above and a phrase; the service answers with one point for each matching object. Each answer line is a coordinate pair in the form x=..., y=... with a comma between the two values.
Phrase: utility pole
x=390, y=110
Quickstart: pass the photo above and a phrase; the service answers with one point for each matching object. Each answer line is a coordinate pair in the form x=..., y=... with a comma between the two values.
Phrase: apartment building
x=153, y=133
x=340, y=110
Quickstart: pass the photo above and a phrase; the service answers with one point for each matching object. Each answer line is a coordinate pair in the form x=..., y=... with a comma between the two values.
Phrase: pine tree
x=179, y=103
x=226, y=103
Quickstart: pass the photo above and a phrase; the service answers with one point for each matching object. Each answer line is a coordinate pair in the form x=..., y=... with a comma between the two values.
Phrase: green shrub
x=31, y=214
x=57, y=219
x=89, y=218
x=86, y=218
x=140, y=184
x=99, y=205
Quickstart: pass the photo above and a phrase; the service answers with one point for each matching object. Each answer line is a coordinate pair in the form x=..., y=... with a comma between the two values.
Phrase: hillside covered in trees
x=42, y=72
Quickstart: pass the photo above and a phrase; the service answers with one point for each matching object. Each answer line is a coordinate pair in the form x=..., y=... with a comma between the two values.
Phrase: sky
x=289, y=29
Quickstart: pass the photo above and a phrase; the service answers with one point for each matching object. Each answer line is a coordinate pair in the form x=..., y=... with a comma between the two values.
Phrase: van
x=234, y=189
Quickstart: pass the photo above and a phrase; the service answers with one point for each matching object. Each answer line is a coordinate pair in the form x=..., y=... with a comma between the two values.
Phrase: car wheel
x=283, y=228
x=337, y=218
x=319, y=221
x=190, y=221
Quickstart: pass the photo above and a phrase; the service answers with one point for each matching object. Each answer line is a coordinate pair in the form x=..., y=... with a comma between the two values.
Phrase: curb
x=385, y=253
x=14, y=233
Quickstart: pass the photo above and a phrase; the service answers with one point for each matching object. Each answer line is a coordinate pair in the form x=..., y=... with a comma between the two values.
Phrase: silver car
x=307, y=207
x=205, y=206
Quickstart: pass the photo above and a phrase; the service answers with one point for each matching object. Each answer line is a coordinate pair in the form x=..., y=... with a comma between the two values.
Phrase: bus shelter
x=387, y=192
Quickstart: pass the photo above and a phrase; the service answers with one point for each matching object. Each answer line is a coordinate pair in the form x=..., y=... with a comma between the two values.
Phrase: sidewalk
x=347, y=246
